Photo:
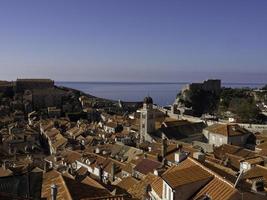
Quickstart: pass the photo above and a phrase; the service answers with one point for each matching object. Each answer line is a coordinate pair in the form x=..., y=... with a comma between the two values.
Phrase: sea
x=162, y=93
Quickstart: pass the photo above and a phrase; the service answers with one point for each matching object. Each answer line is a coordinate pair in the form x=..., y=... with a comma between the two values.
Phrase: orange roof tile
x=186, y=172
x=127, y=182
x=218, y=190
x=227, y=129
x=157, y=186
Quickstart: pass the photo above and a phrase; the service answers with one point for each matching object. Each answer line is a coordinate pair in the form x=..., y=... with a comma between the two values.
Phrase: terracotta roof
x=227, y=129
x=262, y=146
x=170, y=123
x=139, y=190
x=127, y=183
x=255, y=160
x=181, y=129
x=107, y=165
x=92, y=182
x=263, y=152
x=218, y=190
x=109, y=197
x=69, y=188
x=224, y=149
x=76, y=131
x=235, y=155
x=146, y=166
x=257, y=171
x=54, y=177
x=128, y=168
x=157, y=186
x=71, y=156
x=225, y=172
x=187, y=172
x=82, y=171
x=5, y=172
x=111, y=124
x=85, y=189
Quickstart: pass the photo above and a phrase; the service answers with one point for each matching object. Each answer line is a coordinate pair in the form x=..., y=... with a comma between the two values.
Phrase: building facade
x=147, y=120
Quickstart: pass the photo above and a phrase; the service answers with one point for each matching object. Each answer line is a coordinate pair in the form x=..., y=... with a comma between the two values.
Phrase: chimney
x=97, y=150
x=164, y=148
x=54, y=190
x=199, y=156
x=10, y=130
x=4, y=165
x=179, y=147
x=159, y=171
x=112, y=171
x=100, y=172
x=180, y=156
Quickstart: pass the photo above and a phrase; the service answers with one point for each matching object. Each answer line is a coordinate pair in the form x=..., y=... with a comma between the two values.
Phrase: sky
x=134, y=40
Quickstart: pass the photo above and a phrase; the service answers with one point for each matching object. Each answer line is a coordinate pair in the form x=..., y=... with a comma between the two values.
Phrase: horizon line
x=159, y=82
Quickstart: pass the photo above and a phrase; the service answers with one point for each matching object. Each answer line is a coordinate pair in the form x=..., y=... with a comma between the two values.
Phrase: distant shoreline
x=141, y=83
x=163, y=93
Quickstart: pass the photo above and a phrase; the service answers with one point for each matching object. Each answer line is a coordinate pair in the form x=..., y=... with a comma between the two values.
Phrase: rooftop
x=218, y=190
x=185, y=174
x=146, y=165
x=228, y=130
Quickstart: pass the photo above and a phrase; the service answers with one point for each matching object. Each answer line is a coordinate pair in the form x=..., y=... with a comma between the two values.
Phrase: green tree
x=202, y=101
x=245, y=109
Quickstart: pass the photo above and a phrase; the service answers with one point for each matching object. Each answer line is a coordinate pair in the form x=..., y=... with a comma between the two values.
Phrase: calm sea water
x=162, y=93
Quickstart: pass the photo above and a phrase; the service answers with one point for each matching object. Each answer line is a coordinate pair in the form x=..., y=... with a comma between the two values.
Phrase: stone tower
x=147, y=120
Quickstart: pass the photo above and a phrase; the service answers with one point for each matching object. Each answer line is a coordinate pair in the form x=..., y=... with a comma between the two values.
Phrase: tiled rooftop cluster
x=58, y=143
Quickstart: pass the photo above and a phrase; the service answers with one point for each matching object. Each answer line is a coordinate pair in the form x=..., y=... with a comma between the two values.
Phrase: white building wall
x=217, y=139
x=167, y=192
x=147, y=122
x=80, y=164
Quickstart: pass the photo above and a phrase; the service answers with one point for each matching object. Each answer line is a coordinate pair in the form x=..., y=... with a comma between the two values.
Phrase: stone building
x=147, y=120
x=212, y=85
x=49, y=97
x=219, y=134
x=30, y=84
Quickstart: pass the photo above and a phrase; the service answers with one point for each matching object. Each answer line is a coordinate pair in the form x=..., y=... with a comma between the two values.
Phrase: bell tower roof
x=148, y=100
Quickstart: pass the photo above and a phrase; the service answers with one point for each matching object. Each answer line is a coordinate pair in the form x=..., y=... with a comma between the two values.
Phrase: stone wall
x=30, y=84
x=208, y=85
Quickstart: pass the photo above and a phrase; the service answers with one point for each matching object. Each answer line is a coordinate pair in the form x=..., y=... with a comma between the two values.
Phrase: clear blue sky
x=134, y=40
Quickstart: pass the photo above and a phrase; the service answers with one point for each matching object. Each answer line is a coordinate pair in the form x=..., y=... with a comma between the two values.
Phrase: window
x=143, y=125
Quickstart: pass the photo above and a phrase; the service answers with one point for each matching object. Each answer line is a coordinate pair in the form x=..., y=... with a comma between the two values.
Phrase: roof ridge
x=263, y=167
x=212, y=172
x=65, y=185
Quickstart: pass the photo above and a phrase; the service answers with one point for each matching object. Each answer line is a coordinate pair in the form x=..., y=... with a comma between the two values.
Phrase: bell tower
x=147, y=120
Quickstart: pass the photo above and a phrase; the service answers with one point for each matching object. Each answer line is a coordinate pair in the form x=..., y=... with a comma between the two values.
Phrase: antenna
x=239, y=177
